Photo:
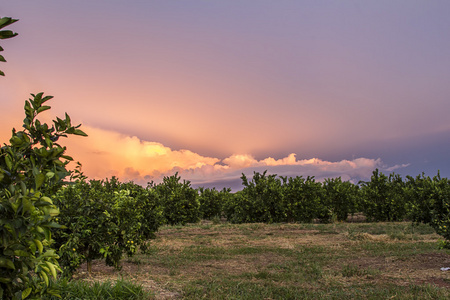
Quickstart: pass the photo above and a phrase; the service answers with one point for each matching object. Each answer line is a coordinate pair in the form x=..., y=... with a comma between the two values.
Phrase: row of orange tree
x=106, y=219
x=268, y=198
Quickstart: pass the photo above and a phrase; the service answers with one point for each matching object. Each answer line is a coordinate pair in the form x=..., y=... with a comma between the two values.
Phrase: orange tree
x=261, y=200
x=179, y=200
x=383, y=198
x=104, y=219
x=32, y=168
x=211, y=202
x=303, y=199
x=339, y=198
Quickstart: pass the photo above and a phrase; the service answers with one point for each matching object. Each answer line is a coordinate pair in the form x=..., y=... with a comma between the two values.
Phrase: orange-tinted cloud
x=107, y=153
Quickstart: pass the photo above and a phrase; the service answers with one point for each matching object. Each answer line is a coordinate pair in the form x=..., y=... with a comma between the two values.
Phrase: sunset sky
x=213, y=89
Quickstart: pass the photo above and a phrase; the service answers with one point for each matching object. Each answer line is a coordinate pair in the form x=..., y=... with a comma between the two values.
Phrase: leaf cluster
x=5, y=34
x=32, y=167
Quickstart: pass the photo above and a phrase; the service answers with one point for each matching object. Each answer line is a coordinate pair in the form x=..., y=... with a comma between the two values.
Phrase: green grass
x=107, y=290
x=292, y=261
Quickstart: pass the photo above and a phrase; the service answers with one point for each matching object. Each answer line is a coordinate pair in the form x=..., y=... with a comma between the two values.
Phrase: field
x=288, y=261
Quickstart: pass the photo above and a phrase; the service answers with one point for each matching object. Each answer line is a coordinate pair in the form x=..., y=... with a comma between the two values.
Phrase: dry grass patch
x=279, y=260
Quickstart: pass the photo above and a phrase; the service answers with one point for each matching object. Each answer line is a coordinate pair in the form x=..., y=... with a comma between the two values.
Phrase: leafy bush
x=179, y=201
x=340, y=197
x=429, y=201
x=32, y=168
x=212, y=202
x=238, y=208
x=261, y=200
x=303, y=198
x=266, y=196
x=420, y=192
x=441, y=209
x=383, y=198
x=104, y=219
x=148, y=203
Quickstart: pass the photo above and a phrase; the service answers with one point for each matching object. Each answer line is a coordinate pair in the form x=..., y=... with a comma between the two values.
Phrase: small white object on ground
x=445, y=269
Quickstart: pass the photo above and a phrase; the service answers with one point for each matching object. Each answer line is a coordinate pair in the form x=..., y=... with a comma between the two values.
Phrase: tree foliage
x=32, y=168
x=104, y=219
x=5, y=34
x=383, y=197
x=211, y=202
x=179, y=200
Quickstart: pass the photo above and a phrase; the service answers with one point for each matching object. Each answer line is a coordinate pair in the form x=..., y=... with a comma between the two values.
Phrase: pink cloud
x=107, y=153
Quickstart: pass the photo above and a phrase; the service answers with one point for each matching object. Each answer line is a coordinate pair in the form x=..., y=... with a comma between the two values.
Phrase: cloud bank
x=107, y=153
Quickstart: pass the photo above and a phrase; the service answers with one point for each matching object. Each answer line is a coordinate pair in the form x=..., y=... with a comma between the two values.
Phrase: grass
x=107, y=290
x=287, y=261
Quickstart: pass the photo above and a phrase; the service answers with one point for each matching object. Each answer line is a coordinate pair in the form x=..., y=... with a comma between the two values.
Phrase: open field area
x=288, y=261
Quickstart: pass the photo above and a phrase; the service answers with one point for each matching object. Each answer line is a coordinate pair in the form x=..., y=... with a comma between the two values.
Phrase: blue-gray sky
x=214, y=88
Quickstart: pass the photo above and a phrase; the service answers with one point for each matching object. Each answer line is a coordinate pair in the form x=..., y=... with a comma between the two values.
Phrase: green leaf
x=21, y=253
x=8, y=162
x=39, y=245
x=53, y=212
x=79, y=132
x=43, y=108
x=44, y=277
x=15, y=141
x=47, y=234
x=27, y=205
x=54, y=225
x=52, y=268
x=7, y=34
x=26, y=293
x=39, y=180
x=6, y=263
x=5, y=21
x=48, y=142
x=67, y=119
x=38, y=97
x=47, y=199
x=2, y=58
x=67, y=157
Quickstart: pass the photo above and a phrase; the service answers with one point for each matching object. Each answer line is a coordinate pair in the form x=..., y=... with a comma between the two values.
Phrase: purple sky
x=214, y=88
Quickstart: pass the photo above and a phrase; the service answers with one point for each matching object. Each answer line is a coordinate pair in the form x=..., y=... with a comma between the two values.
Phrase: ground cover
x=287, y=261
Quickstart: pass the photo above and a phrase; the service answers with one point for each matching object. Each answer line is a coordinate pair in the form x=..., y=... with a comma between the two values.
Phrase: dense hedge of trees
x=101, y=218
